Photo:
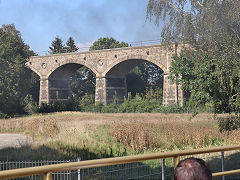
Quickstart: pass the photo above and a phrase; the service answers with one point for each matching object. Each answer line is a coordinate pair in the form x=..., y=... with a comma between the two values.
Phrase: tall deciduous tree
x=146, y=76
x=107, y=43
x=15, y=78
x=210, y=73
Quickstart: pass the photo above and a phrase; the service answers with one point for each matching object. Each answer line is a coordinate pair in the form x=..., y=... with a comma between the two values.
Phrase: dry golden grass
x=172, y=132
x=139, y=131
x=97, y=135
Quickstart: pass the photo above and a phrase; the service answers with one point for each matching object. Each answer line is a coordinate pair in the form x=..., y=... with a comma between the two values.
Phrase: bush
x=229, y=124
x=2, y=115
x=98, y=107
x=45, y=108
x=86, y=103
x=30, y=107
x=138, y=104
x=174, y=108
x=56, y=106
x=110, y=108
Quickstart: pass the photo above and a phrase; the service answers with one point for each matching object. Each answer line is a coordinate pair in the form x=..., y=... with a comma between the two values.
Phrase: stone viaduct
x=110, y=67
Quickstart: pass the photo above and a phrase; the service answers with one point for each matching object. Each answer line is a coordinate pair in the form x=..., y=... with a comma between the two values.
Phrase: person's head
x=192, y=169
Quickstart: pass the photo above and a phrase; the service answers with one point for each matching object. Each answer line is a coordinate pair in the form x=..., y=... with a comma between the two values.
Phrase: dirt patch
x=14, y=140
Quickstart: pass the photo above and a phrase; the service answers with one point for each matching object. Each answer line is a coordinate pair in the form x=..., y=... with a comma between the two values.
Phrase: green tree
x=210, y=71
x=57, y=46
x=146, y=76
x=203, y=24
x=135, y=82
x=83, y=82
x=107, y=43
x=70, y=45
x=14, y=76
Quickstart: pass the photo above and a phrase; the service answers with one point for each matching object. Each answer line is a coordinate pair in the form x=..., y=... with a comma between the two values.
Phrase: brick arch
x=72, y=61
x=135, y=57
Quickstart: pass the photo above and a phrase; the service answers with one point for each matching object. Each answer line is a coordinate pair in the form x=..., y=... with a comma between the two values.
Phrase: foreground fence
x=147, y=166
x=9, y=165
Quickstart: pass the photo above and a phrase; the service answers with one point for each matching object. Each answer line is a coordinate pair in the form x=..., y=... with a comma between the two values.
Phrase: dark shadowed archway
x=60, y=82
x=118, y=83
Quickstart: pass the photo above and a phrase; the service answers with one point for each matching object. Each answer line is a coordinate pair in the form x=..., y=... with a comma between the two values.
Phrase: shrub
x=56, y=106
x=111, y=108
x=86, y=103
x=174, y=108
x=30, y=107
x=45, y=108
x=2, y=115
x=138, y=104
x=98, y=107
x=229, y=124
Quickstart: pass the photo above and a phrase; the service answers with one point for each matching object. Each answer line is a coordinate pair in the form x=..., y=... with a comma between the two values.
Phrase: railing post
x=79, y=171
x=163, y=169
x=47, y=176
x=222, y=160
x=176, y=161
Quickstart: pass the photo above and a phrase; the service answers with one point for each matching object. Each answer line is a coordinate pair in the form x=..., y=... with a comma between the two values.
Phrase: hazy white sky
x=40, y=21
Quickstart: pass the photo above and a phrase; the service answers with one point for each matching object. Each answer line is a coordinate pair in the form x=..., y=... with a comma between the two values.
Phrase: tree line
x=57, y=46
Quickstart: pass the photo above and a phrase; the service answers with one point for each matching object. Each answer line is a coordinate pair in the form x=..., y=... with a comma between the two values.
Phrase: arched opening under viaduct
x=133, y=76
x=69, y=80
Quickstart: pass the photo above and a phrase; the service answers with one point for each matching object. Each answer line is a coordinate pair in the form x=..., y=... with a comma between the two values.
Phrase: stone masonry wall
x=101, y=62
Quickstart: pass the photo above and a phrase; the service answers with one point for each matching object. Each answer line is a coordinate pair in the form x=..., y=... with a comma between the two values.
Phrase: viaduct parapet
x=110, y=67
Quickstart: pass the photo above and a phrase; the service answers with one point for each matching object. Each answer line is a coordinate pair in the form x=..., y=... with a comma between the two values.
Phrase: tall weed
x=134, y=135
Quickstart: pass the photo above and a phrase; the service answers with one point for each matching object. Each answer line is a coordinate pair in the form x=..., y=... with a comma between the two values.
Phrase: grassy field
x=70, y=135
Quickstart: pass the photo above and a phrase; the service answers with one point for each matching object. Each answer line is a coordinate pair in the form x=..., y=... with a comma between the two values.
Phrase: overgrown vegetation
x=138, y=104
x=97, y=135
x=208, y=69
x=229, y=124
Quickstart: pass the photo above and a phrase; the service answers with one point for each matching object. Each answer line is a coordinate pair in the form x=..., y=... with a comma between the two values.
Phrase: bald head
x=192, y=169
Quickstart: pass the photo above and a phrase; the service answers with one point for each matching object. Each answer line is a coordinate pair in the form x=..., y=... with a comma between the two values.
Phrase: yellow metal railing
x=47, y=170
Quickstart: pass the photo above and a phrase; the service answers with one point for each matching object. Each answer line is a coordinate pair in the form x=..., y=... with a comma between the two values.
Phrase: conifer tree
x=57, y=46
x=70, y=45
